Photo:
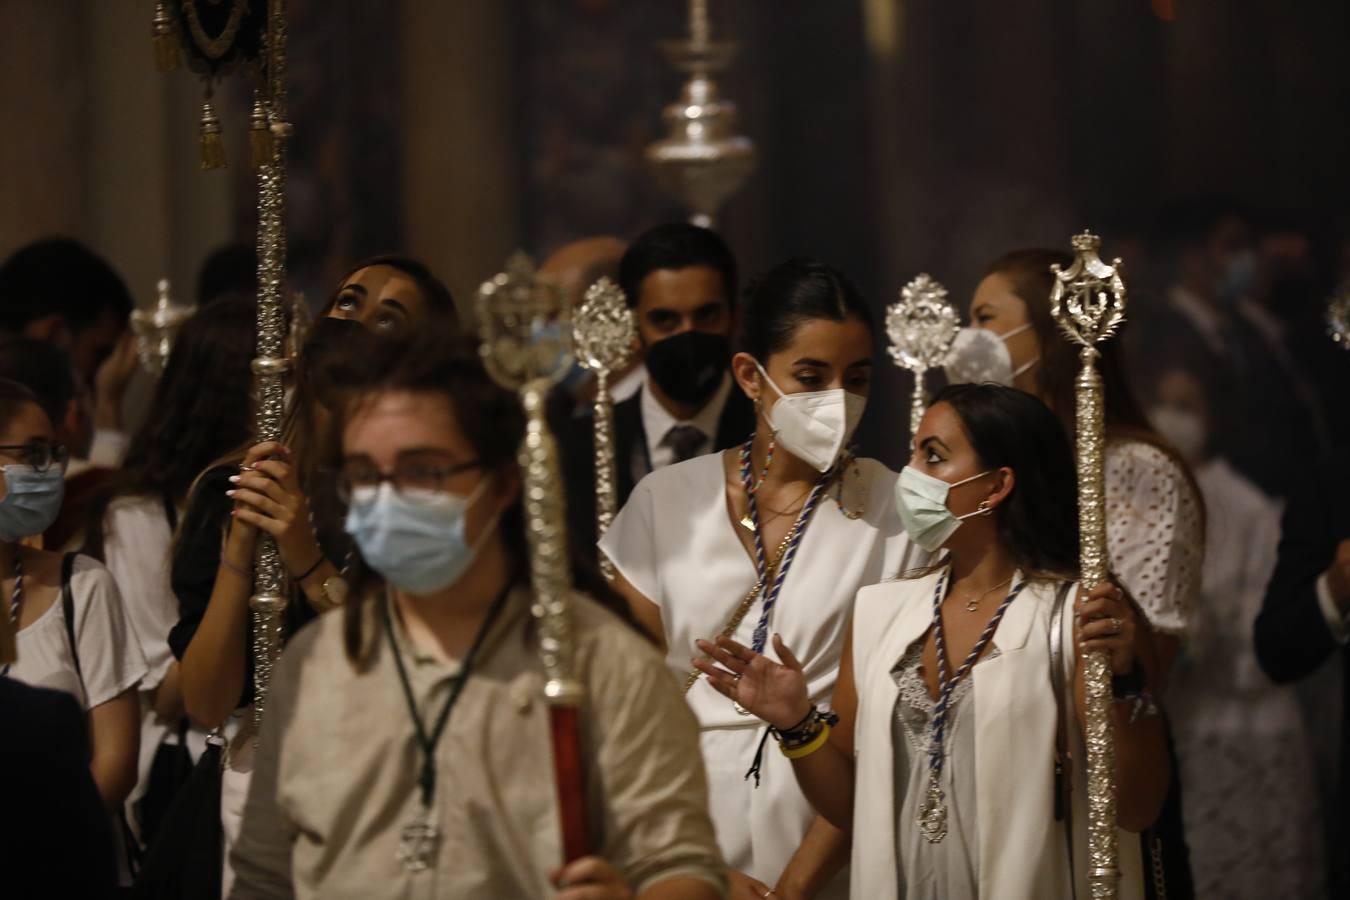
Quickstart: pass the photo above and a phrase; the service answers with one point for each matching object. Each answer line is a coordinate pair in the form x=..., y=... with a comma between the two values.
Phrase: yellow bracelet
x=807, y=749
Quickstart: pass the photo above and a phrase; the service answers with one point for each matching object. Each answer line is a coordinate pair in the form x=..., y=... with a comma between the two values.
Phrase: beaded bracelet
x=805, y=732
x=810, y=747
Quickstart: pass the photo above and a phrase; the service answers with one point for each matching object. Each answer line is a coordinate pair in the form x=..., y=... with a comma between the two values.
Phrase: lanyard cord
x=426, y=779
x=789, y=552
x=947, y=685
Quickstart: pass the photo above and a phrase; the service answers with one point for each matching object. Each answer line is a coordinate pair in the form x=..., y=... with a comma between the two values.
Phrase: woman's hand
x=590, y=878
x=1106, y=622
x=267, y=496
x=773, y=692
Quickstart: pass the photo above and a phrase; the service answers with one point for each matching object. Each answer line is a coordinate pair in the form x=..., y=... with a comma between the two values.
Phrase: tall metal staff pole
x=526, y=347
x=1088, y=301
x=270, y=365
x=603, y=332
x=921, y=325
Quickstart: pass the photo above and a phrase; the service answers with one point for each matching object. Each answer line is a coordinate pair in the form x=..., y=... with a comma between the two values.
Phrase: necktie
x=685, y=440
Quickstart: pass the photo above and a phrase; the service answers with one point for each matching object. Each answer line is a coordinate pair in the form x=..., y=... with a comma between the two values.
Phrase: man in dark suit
x=1306, y=615
x=680, y=281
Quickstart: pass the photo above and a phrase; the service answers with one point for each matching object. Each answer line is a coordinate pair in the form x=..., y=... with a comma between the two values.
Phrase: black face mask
x=336, y=352
x=689, y=366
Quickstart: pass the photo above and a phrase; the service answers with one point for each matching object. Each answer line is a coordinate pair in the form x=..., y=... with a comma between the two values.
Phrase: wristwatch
x=1129, y=688
x=334, y=592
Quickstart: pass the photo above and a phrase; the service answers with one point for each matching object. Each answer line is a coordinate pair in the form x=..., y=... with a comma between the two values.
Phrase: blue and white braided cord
x=761, y=633
x=947, y=685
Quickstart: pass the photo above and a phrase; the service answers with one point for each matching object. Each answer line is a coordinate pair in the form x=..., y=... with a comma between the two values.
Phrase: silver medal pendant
x=933, y=814
x=417, y=844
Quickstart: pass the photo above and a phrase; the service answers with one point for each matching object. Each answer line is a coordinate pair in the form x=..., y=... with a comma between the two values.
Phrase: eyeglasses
x=409, y=475
x=38, y=454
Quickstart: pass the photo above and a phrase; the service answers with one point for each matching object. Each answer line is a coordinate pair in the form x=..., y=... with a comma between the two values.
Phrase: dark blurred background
x=1206, y=140
x=894, y=137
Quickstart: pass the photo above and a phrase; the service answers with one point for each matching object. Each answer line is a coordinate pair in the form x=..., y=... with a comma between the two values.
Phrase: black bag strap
x=1063, y=758
x=68, y=612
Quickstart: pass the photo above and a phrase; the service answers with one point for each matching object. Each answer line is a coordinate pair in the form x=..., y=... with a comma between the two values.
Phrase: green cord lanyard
x=426, y=780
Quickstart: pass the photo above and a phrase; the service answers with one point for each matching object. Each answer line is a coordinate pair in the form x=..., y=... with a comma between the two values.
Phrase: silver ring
x=737, y=679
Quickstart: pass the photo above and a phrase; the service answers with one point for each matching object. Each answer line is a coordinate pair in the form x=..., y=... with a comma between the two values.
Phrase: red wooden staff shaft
x=570, y=776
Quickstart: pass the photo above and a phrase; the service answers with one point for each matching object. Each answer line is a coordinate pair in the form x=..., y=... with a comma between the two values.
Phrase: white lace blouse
x=1154, y=532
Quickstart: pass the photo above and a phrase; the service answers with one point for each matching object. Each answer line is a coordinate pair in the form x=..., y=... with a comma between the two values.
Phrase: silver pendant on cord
x=933, y=813
x=417, y=844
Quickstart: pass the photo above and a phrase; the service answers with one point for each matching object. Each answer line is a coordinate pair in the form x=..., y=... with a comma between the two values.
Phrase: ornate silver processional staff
x=603, y=333
x=271, y=364
x=702, y=161
x=218, y=39
x=921, y=325
x=526, y=348
x=1088, y=301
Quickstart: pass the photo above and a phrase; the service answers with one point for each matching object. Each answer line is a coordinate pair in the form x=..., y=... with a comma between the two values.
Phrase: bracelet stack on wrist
x=807, y=736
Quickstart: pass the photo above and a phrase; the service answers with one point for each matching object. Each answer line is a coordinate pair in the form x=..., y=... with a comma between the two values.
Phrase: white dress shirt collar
x=657, y=422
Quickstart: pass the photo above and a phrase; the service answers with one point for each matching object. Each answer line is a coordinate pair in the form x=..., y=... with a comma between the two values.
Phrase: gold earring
x=983, y=509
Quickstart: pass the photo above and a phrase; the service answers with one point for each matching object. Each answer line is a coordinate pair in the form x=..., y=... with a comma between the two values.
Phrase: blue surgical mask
x=415, y=539
x=922, y=503
x=32, y=500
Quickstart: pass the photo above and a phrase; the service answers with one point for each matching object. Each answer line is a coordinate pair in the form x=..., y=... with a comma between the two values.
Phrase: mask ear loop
x=984, y=509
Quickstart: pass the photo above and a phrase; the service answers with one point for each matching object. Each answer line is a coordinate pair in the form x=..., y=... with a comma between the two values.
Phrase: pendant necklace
x=772, y=589
x=973, y=604
x=15, y=601
x=420, y=838
x=932, y=818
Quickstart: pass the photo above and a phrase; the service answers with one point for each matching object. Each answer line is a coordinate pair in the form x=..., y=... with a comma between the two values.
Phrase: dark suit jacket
x=55, y=835
x=1292, y=636
x=577, y=444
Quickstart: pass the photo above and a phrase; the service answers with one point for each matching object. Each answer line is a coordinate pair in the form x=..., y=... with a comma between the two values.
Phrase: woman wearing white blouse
x=778, y=534
x=958, y=702
x=1154, y=514
x=72, y=634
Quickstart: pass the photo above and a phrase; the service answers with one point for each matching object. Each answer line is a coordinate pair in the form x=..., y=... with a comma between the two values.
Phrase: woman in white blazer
x=956, y=754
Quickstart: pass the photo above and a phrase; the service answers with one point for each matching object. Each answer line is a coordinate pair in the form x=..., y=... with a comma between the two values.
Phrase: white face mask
x=814, y=426
x=979, y=355
x=1182, y=428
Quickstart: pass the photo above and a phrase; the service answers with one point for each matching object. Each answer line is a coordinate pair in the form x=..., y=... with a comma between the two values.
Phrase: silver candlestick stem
x=1088, y=301
x=921, y=326
x=701, y=161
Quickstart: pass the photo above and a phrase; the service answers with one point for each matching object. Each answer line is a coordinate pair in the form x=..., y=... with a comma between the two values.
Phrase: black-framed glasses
x=409, y=475
x=38, y=454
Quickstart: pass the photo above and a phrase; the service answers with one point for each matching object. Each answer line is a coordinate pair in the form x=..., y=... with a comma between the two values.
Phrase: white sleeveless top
x=675, y=543
x=1021, y=849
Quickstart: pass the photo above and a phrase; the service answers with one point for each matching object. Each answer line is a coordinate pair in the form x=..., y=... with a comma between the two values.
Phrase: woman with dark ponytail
x=773, y=537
